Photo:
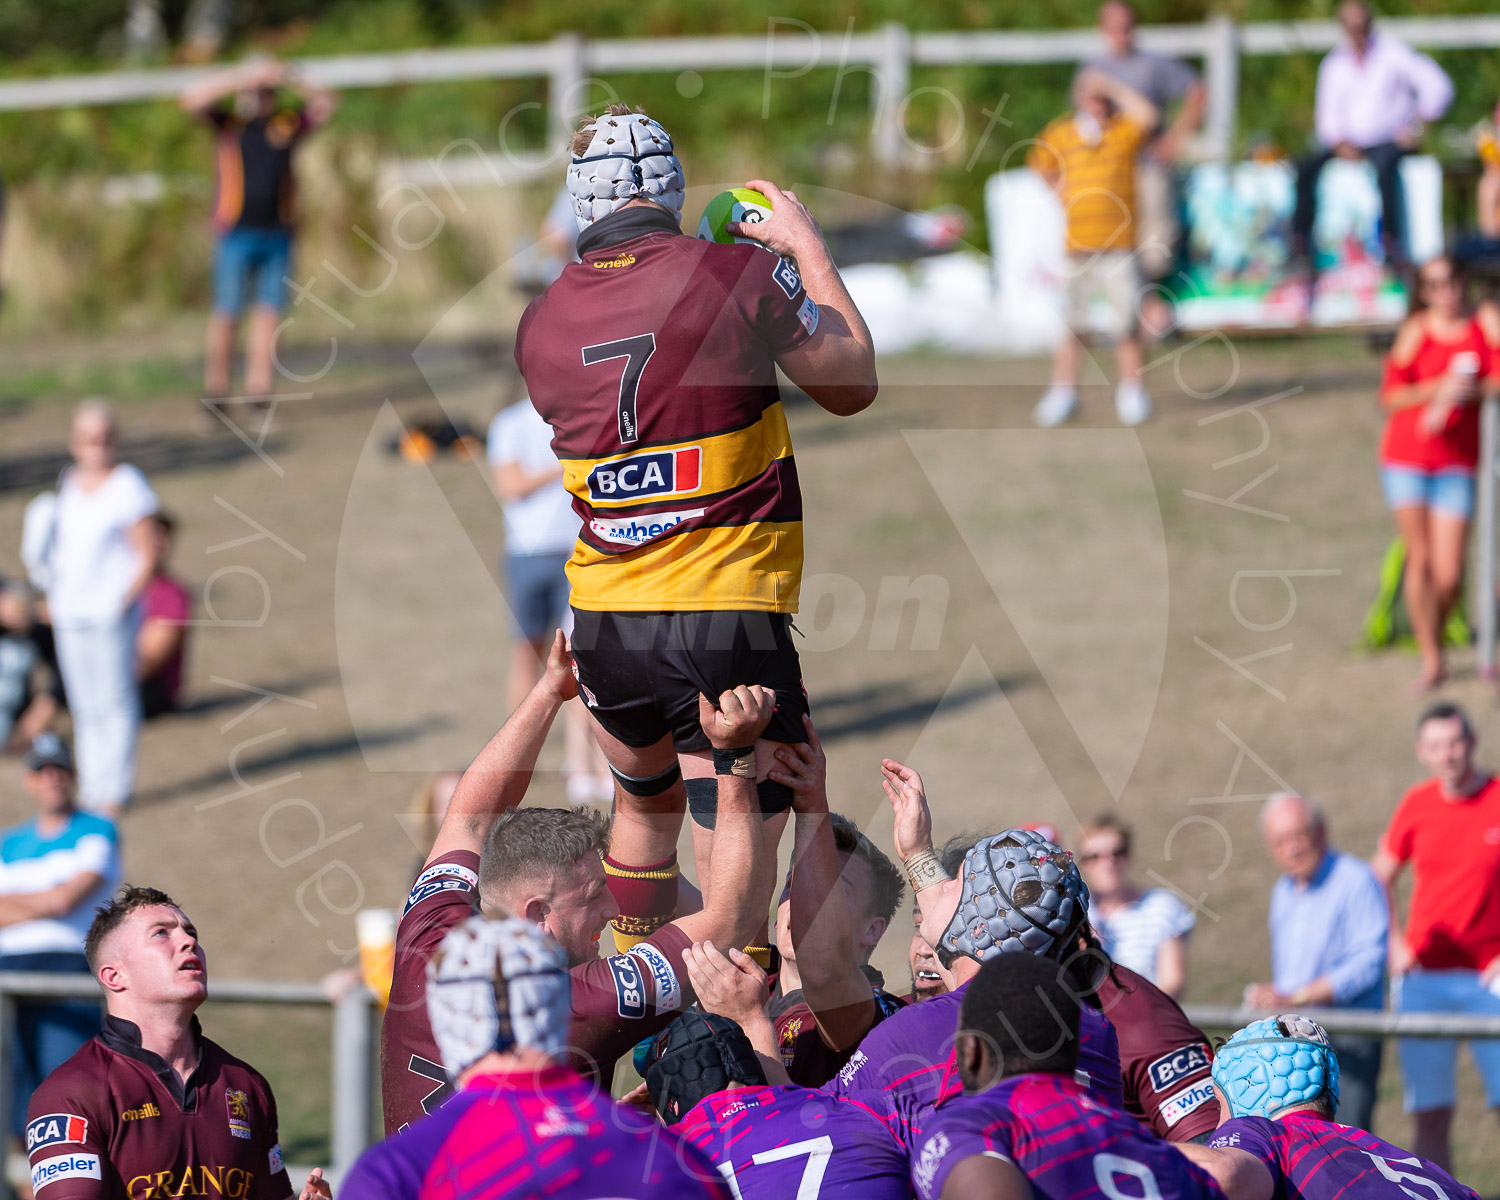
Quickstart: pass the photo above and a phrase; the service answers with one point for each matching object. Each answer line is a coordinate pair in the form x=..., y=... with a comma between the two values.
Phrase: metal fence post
x=353, y=1079
x=565, y=87
x=1484, y=534
x=1221, y=63
x=888, y=93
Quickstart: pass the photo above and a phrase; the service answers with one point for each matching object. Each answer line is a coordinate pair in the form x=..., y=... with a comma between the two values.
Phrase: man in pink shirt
x=1374, y=94
x=161, y=643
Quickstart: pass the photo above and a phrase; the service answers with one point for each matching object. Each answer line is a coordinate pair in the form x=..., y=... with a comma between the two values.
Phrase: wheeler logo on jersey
x=647, y=475
x=56, y=1129
x=637, y=531
x=1173, y=1068
x=668, y=990
x=1196, y=1095
x=239, y=1112
x=630, y=986
x=273, y=1158
x=69, y=1166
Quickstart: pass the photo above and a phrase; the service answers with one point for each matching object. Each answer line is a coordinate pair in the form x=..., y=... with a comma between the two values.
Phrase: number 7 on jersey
x=636, y=351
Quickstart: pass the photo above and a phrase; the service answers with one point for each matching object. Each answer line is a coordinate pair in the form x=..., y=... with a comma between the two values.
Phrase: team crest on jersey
x=647, y=475
x=787, y=279
x=56, y=1129
x=789, y=1033
x=239, y=1112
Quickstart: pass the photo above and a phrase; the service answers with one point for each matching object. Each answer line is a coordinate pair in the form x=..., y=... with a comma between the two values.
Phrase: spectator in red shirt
x=1448, y=958
x=1442, y=362
x=162, y=641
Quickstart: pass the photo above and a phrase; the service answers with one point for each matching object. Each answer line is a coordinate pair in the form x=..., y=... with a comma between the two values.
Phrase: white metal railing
x=353, y=1045
x=787, y=50
x=1374, y=1022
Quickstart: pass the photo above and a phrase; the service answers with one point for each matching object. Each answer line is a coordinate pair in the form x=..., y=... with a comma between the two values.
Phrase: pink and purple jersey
x=772, y=1143
x=1313, y=1159
x=911, y=1052
x=1068, y=1144
x=544, y=1134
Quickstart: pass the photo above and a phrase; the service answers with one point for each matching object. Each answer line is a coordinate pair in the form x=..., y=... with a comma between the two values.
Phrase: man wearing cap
x=54, y=870
x=1025, y=1126
x=522, y=1123
x=1017, y=892
x=1277, y=1084
x=704, y=1079
x=654, y=360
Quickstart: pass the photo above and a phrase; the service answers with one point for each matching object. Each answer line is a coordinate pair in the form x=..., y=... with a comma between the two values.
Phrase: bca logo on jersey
x=1177, y=1066
x=56, y=1129
x=630, y=986
x=641, y=476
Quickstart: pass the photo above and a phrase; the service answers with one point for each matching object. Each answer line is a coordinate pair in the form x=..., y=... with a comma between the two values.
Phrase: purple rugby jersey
x=911, y=1052
x=1314, y=1159
x=769, y=1142
x=1068, y=1144
x=503, y=1137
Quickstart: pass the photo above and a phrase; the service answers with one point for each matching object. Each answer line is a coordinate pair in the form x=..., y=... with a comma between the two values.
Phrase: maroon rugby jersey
x=809, y=1060
x=115, y=1121
x=654, y=361
x=1165, y=1059
x=617, y=1001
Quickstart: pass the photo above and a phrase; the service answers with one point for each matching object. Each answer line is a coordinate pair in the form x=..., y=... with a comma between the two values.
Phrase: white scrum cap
x=497, y=985
x=629, y=158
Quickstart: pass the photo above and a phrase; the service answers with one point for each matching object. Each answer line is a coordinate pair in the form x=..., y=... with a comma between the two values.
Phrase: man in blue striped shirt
x=1329, y=923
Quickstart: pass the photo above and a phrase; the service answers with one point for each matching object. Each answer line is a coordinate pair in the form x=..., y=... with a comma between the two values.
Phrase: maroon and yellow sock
x=647, y=897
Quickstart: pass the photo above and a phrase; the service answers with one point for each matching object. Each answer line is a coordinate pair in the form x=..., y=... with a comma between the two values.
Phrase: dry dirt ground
x=1041, y=622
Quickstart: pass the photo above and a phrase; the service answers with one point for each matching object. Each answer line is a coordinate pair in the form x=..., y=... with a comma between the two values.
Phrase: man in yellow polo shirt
x=1088, y=158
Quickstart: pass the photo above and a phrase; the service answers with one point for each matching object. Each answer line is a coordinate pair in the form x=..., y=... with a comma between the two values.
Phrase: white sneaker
x=1132, y=403
x=1058, y=405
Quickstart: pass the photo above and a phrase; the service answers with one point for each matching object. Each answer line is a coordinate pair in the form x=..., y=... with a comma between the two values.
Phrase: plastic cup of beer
x=375, y=929
x=1465, y=363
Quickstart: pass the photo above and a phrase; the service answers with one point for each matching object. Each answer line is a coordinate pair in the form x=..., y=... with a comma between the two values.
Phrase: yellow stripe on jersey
x=1096, y=183
x=756, y=567
x=636, y=477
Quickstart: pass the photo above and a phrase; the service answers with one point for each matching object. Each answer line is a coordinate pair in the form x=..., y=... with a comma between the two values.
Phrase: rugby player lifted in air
x=523, y=1124
x=1025, y=1126
x=654, y=360
x=151, y=1107
x=552, y=867
x=1277, y=1085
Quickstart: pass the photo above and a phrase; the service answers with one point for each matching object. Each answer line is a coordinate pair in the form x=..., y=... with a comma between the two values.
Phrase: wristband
x=739, y=763
x=924, y=869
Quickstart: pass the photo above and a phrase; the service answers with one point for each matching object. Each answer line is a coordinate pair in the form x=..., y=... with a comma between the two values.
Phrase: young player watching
x=151, y=1107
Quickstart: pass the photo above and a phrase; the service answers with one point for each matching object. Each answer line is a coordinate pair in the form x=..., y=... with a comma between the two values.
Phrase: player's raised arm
x=498, y=778
x=833, y=985
x=836, y=366
x=737, y=889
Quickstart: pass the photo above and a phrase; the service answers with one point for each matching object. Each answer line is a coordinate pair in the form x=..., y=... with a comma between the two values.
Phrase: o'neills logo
x=140, y=1114
x=222, y=1183
x=604, y=264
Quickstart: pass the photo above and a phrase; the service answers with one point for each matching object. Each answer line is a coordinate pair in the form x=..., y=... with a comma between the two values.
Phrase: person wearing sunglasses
x=1145, y=931
x=1440, y=367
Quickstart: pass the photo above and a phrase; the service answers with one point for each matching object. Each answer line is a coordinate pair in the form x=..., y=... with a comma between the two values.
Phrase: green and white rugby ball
x=737, y=204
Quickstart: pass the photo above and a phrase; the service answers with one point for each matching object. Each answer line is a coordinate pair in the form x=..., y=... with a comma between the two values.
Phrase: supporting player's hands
x=557, y=676
x=739, y=718
x=733, y=987
x=803, y=767
x=316, y=1187
x=790, y=230
x=903, y=788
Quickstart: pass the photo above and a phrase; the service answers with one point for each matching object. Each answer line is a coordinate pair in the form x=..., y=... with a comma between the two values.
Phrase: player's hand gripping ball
x=737, y=204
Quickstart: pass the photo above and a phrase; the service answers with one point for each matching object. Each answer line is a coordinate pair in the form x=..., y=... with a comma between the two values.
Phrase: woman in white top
x=1144, y=931
x=102, y=556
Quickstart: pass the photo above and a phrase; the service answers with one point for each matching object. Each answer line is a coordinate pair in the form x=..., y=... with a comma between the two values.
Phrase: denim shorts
x=239, y=254
x=1428, y=1065
x=537, y=587
x=1449, y=491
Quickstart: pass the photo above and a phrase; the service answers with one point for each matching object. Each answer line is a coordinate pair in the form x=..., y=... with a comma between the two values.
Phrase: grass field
x=1038, y=621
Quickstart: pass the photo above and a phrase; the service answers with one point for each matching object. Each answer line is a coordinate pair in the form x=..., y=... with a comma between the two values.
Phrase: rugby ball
x=737, y=204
